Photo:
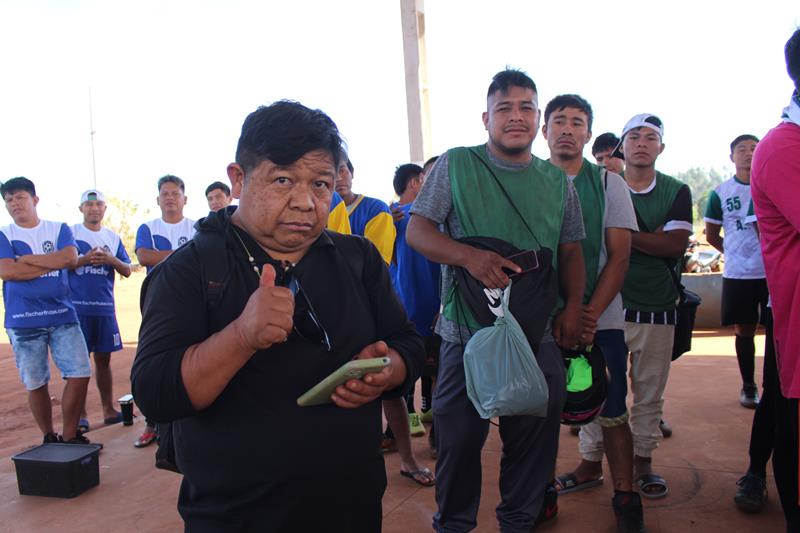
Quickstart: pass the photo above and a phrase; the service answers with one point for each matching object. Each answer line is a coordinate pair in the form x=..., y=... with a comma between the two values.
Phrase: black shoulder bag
x=535, y=290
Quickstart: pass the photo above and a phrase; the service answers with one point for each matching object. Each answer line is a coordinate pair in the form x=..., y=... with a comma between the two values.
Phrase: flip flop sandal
x=567, y=483
x=651, y=480
x=146, y=439
x=110, y=420
x=423, y=476
x=83, y=425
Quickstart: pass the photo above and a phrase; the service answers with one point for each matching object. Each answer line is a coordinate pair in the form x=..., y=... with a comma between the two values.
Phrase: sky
x=172, y=81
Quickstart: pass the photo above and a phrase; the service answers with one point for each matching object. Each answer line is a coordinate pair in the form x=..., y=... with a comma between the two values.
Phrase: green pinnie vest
x=538, y=191
x=648, y=284
x=590, y=186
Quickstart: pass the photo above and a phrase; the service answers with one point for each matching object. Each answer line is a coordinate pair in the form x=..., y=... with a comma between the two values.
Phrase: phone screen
x=527, y=261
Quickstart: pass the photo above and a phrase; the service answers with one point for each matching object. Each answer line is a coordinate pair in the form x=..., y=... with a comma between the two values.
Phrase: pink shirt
x=775, y=184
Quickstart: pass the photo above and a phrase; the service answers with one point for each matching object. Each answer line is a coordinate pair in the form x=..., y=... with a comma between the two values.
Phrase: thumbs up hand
x=267, y=317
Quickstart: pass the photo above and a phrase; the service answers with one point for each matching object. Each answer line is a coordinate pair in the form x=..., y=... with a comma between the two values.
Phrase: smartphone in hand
x=355, y=369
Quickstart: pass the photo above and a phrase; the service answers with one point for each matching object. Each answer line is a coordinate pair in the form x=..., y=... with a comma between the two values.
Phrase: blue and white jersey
x=43, y=301
x=92, y=286
x=163, y=236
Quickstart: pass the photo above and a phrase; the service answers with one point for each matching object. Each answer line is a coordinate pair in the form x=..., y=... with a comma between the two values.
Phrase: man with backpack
x=261, y=306
x=501, y=190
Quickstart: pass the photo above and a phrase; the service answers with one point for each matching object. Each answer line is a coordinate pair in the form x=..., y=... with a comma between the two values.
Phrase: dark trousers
x=785, y=459
x=530, y=446
x=762, y=434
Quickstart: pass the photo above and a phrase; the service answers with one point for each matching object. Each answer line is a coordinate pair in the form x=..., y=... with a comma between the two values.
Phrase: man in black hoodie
x=293, y=306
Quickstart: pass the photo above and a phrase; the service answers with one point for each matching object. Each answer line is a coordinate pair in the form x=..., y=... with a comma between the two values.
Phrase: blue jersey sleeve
x=143, y=238
x=122, y=253
x=65, y=238
x=6, y=251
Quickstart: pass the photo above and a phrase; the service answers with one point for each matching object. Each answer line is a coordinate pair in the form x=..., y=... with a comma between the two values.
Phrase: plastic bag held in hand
x=503, y=377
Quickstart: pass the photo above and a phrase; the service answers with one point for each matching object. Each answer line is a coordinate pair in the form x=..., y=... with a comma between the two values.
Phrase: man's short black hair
x=742, y=138
x=429, y=163
x=603, y=142
x=283, y=132
x=17, y=184
x=403, y=174
x=564, y=101
x=510, y=77
x=218, y=185
x=169, y=178
x=792, y=51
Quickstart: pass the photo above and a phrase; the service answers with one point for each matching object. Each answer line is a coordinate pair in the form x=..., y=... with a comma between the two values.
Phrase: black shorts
x=744, y=301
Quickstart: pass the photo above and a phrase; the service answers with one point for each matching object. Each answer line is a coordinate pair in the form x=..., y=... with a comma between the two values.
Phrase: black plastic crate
x=60, y=470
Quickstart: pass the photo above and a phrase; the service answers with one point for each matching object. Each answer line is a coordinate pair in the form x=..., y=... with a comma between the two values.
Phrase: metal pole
x=91, y=136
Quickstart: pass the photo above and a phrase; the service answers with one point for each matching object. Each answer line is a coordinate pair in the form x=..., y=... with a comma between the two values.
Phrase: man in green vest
x=609, y=221
x=663, y=208
x=499, y=190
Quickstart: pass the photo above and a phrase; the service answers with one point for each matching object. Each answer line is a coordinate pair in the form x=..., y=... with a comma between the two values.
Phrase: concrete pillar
x=417, y=106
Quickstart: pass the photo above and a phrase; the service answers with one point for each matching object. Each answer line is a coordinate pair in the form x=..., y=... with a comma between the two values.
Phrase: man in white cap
x=663, y=207
x=101, y=255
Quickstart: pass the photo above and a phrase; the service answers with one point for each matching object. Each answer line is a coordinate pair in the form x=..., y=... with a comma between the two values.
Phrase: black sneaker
x=628, y=512
x=549, y=508
x=52, y=438
x=80, y=438
x=752, y=493
x=749, y=396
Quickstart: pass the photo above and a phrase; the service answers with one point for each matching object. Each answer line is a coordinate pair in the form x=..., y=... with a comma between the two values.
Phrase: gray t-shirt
x=435, y=202
x=619, y=213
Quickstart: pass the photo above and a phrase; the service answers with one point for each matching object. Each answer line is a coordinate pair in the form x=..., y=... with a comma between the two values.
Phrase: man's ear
x=236, y=176
x=485, y=118
x=662, y=148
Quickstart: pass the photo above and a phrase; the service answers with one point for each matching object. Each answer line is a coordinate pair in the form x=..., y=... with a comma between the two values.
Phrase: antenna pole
x=91, y=136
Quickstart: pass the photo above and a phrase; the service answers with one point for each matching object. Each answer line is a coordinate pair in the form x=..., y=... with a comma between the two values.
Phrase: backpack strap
x=352, y=248
x=215, y=270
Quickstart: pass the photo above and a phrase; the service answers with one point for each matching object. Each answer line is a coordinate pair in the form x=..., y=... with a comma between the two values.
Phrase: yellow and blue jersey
x=371, y=218
x=338, y=220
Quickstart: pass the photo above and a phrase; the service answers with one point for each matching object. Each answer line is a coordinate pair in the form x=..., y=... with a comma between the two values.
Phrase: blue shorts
x=101, y=333
x=66, y=345
x=612, y=343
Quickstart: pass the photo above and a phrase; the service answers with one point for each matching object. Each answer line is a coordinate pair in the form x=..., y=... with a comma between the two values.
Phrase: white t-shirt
x=728, y=207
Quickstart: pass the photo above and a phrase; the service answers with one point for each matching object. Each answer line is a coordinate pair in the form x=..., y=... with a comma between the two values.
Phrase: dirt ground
x=701, y=461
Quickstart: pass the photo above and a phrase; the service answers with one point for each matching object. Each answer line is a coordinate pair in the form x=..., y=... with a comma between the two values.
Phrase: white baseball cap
x=645, y=120
x=92, y=195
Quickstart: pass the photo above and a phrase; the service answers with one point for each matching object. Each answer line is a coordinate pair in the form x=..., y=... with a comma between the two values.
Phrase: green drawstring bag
x=579, y=374
x=503, y=377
